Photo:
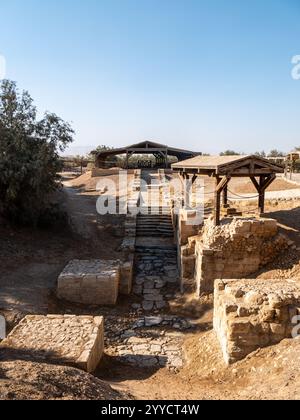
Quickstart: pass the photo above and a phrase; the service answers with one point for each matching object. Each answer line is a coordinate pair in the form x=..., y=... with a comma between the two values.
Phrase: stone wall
x=251, y=314
x=185, y=230
x=236, y=249
x=188, y=262
x=93, y=282
x=129, y=240
x=72, y=340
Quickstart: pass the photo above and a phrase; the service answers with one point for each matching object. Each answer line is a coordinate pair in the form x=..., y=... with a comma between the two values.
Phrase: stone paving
x=156, y=276
x=68, y=339
x=151, y=341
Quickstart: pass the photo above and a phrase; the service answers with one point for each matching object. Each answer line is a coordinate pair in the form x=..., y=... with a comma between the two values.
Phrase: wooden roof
x=246, y=165
x=148, y=147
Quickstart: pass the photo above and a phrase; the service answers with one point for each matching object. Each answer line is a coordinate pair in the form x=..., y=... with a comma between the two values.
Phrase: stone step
x=155, y=230
x=154, y=227
x=170, y=256
x=154, y=207
x=151, y=232
x=169, y=252
x=154, y=235
x=154, y=220
x=154, y=223
x=155, y=216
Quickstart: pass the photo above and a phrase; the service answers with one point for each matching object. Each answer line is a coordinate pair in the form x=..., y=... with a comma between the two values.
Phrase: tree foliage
x=229, y=153
x=29, y=155
x=276, y=153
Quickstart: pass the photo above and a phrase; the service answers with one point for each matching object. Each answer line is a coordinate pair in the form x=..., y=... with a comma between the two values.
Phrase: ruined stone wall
x=236, y=249
x=251, y=314
x=188, y=263
x=185, y=230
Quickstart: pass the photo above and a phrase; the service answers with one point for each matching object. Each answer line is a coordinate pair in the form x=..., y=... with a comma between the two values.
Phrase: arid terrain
x=30, y=262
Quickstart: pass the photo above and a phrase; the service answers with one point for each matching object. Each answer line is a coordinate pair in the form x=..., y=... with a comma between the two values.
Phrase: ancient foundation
x=70, y=340
x=251, y=314
x=93, y=282
x=236, y=249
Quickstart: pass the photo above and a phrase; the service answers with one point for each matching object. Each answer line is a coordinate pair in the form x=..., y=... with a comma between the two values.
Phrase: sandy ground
x=30, y=262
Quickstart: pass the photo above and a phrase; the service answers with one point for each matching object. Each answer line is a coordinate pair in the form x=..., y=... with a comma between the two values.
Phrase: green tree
x=29, y=155
x=229, y=153
x=261, y=154
x=276, y=153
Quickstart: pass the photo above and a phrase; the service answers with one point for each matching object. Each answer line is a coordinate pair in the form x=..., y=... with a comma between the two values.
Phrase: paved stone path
x=151, y=341
x=156, y=338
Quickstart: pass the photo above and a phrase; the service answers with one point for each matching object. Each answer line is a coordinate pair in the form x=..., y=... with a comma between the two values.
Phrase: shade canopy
x=262, y=173
x=160, y=151
x=248, y=165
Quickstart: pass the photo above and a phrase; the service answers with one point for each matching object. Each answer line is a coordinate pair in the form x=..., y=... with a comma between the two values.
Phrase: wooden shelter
x=261, y=171
x=159, y=151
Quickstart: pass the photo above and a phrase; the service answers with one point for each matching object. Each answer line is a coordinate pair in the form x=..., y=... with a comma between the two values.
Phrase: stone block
x=70, y=340
x=93, y=282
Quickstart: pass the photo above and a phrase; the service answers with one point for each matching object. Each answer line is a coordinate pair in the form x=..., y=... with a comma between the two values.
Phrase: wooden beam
x=255, y=183
x=194, y=179
x=261, y=200
x=268, y=181
x=221, y=184
x=265, y=182
x=225, y=196
x=217, y=209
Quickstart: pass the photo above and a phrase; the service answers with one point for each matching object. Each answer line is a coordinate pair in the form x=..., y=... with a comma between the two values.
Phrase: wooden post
x=217, y=210
x=264, y=183
x=187, y=190
x=225, y=196
x=221, y=186
x=261, y=200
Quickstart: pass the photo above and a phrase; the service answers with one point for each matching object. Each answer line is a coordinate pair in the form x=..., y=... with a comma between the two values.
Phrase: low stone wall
x=251, y=314
x=236, y=249
x=129, y=240
x=94, y=282
x=72, y=340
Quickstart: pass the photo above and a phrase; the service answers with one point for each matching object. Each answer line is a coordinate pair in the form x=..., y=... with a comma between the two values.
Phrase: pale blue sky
x=206, y=75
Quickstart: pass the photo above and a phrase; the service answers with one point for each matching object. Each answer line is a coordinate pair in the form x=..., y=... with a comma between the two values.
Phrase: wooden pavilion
x=159, y=151
x=261, y=171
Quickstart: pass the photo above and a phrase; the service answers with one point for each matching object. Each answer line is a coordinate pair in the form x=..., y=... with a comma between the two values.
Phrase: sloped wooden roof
x=146, y=147
x=228, y=165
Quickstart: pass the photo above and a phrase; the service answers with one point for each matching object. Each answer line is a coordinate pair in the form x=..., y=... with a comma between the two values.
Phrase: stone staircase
x=156, y=272
x=156, y=223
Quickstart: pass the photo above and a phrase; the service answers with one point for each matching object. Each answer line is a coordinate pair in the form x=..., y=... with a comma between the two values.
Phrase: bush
x=29, y=156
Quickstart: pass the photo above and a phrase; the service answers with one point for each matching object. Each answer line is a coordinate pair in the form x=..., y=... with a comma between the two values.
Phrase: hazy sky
x=206, y=75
